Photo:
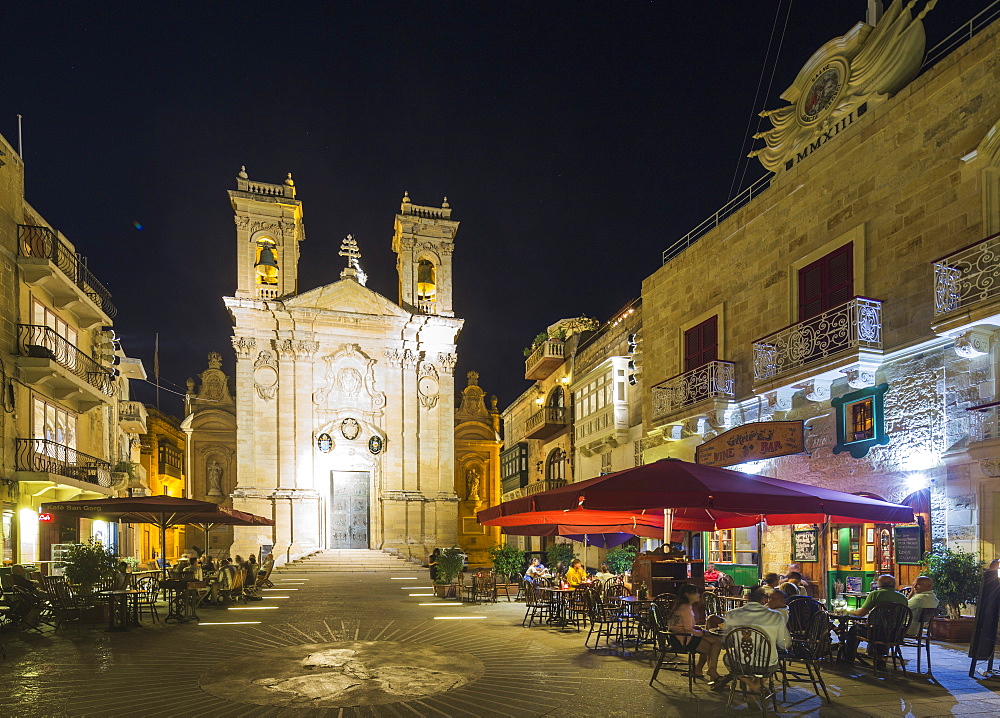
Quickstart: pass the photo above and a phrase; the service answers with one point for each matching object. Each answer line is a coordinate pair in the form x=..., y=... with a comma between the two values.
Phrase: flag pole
x=156, y=368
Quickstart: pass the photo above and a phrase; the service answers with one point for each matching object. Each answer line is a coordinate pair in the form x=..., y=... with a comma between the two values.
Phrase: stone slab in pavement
x=362, y=644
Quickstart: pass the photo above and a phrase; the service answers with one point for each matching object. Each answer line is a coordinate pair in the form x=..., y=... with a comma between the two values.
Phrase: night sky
x=574, y=141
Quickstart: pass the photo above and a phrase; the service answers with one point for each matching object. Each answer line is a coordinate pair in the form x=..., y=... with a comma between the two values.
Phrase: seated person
x=682, y=620
x=770, y=582
x=711, y=575
x=119, y=581
x=792, y=585
x=605, y=573
x=922, y=597
x=794, y=567
x=777, y=600
x=576, y=574
x=772, y=623
x=886, y=593
x=559, y=571
x=535, y=570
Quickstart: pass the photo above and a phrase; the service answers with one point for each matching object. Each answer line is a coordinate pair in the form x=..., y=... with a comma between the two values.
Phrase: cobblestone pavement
x=362, y=645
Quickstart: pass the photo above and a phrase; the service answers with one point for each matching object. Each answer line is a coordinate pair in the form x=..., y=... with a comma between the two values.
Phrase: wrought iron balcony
x=44, y=456
x=545, y=359
x=984, y=422
x=842, y=339
x=545, y=422
x=42, y=350
x=713, y=380
x=967, y=288
x=42, y=243
x=132, y=416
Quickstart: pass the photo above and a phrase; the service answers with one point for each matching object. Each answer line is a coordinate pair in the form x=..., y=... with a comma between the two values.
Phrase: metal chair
x=887, y=626
x=922, y=639
x=670, y=643
x=749, y=655
x=812, y=647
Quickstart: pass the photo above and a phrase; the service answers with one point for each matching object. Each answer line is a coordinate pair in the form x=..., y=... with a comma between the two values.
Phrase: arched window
x=557, y=399
x=555, y=466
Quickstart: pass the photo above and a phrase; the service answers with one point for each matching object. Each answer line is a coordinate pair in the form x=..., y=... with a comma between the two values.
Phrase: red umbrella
x=702, y=497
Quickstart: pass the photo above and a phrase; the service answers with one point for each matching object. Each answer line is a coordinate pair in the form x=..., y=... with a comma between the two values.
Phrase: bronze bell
x=425, y=279
x=267, y=265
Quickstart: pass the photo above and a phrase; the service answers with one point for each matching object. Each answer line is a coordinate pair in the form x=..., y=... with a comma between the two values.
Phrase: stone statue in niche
x=472, y=484
x=214, y=479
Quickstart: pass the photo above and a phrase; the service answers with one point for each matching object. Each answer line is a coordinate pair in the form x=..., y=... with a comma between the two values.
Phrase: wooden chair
x=748, y=655
x=538, y=605
x=264, y=579
x=713, y=606
x=604, y=619
x=801, y=610
x=66, y=607
x=671, y=643
x=810, y=649
x=150, y=587
x=887, y=626
x=922, y=640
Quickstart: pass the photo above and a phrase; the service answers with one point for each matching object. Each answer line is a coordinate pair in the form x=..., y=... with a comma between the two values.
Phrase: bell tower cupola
x=423, y=240
x=268, y=231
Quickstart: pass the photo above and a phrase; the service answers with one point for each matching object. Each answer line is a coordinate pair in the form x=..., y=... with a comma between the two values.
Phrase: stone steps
x=350, y=561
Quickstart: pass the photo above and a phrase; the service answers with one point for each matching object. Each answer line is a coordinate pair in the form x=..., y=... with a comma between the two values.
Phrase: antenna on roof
x=20, y=152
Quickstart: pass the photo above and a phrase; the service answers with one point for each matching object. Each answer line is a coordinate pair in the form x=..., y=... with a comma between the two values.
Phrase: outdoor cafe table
x=636, y=612
x=121, y=615
x=180, y=606
x=560, y=603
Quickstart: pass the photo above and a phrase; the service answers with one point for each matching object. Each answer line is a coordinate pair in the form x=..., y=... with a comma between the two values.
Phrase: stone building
x=582, y=416
x=477, y=469
x=864, y=306
x=344, y=399
x=163, y=451
x=73, y=434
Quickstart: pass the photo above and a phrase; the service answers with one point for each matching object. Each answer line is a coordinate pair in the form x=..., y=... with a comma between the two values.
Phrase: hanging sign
x=752, y=442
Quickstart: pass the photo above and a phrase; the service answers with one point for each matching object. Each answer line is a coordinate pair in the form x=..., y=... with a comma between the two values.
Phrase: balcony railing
x=546, y=421
x=43, y=342
x=132, y=416
x=984, y=422
x=856, y=324
x=540, y=486
x=709, y=381
x=968, y=276
x=543, y=361
x=42, y=243
x=42, y=455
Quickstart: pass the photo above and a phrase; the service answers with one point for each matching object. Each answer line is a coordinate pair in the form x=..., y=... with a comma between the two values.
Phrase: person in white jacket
x=771, y=623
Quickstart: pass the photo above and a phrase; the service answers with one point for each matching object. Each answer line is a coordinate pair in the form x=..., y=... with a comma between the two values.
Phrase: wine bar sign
x=752, y=442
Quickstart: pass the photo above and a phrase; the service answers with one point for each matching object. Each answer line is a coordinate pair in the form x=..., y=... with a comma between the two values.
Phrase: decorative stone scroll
x=265, y=375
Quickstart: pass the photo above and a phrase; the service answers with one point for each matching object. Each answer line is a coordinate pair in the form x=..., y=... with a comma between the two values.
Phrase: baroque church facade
x=344, y=428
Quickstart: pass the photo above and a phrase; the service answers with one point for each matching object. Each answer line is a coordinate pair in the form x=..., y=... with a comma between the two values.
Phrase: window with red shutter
x=826, y=283
x=701, y=344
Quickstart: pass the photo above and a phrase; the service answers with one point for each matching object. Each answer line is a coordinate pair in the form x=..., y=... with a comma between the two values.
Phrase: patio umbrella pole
x=668, y=525
x=163, y=543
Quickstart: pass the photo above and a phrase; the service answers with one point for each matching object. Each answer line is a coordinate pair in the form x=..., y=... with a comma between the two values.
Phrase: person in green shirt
x=885, y=593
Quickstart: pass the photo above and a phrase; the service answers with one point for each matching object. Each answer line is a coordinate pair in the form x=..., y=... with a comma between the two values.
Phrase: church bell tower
x=268, y=231
x=423, y=240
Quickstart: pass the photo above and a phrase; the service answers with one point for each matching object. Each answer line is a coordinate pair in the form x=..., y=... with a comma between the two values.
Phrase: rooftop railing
x=43, y=243
x=856, y=324
x=43, y=342
x=42, y=455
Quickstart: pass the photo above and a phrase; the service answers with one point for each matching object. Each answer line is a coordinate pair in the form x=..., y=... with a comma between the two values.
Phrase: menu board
x=909, y=543
x=805, y=547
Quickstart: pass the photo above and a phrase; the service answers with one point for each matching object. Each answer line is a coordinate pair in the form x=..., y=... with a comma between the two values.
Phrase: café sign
x=752, y=442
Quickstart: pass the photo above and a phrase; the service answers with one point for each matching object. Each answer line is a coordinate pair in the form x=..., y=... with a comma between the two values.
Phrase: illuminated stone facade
x=881, y=211
x=344, y=398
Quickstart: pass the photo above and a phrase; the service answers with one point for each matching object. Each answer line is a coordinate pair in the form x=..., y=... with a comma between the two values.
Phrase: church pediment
x=347, y=296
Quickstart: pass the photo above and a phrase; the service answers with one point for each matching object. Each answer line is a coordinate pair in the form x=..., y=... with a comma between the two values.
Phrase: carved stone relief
x=265, y=375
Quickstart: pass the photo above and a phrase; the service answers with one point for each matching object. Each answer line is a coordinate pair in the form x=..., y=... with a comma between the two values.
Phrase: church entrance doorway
x=348, y=517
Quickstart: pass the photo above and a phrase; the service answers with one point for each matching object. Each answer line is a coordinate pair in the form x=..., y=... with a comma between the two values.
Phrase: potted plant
x=449, y=565
x=620, y=559
x=957, y=576
x=508, y=565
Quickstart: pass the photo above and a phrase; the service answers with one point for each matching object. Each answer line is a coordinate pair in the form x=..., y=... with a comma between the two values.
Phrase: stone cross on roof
x=349, y=248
